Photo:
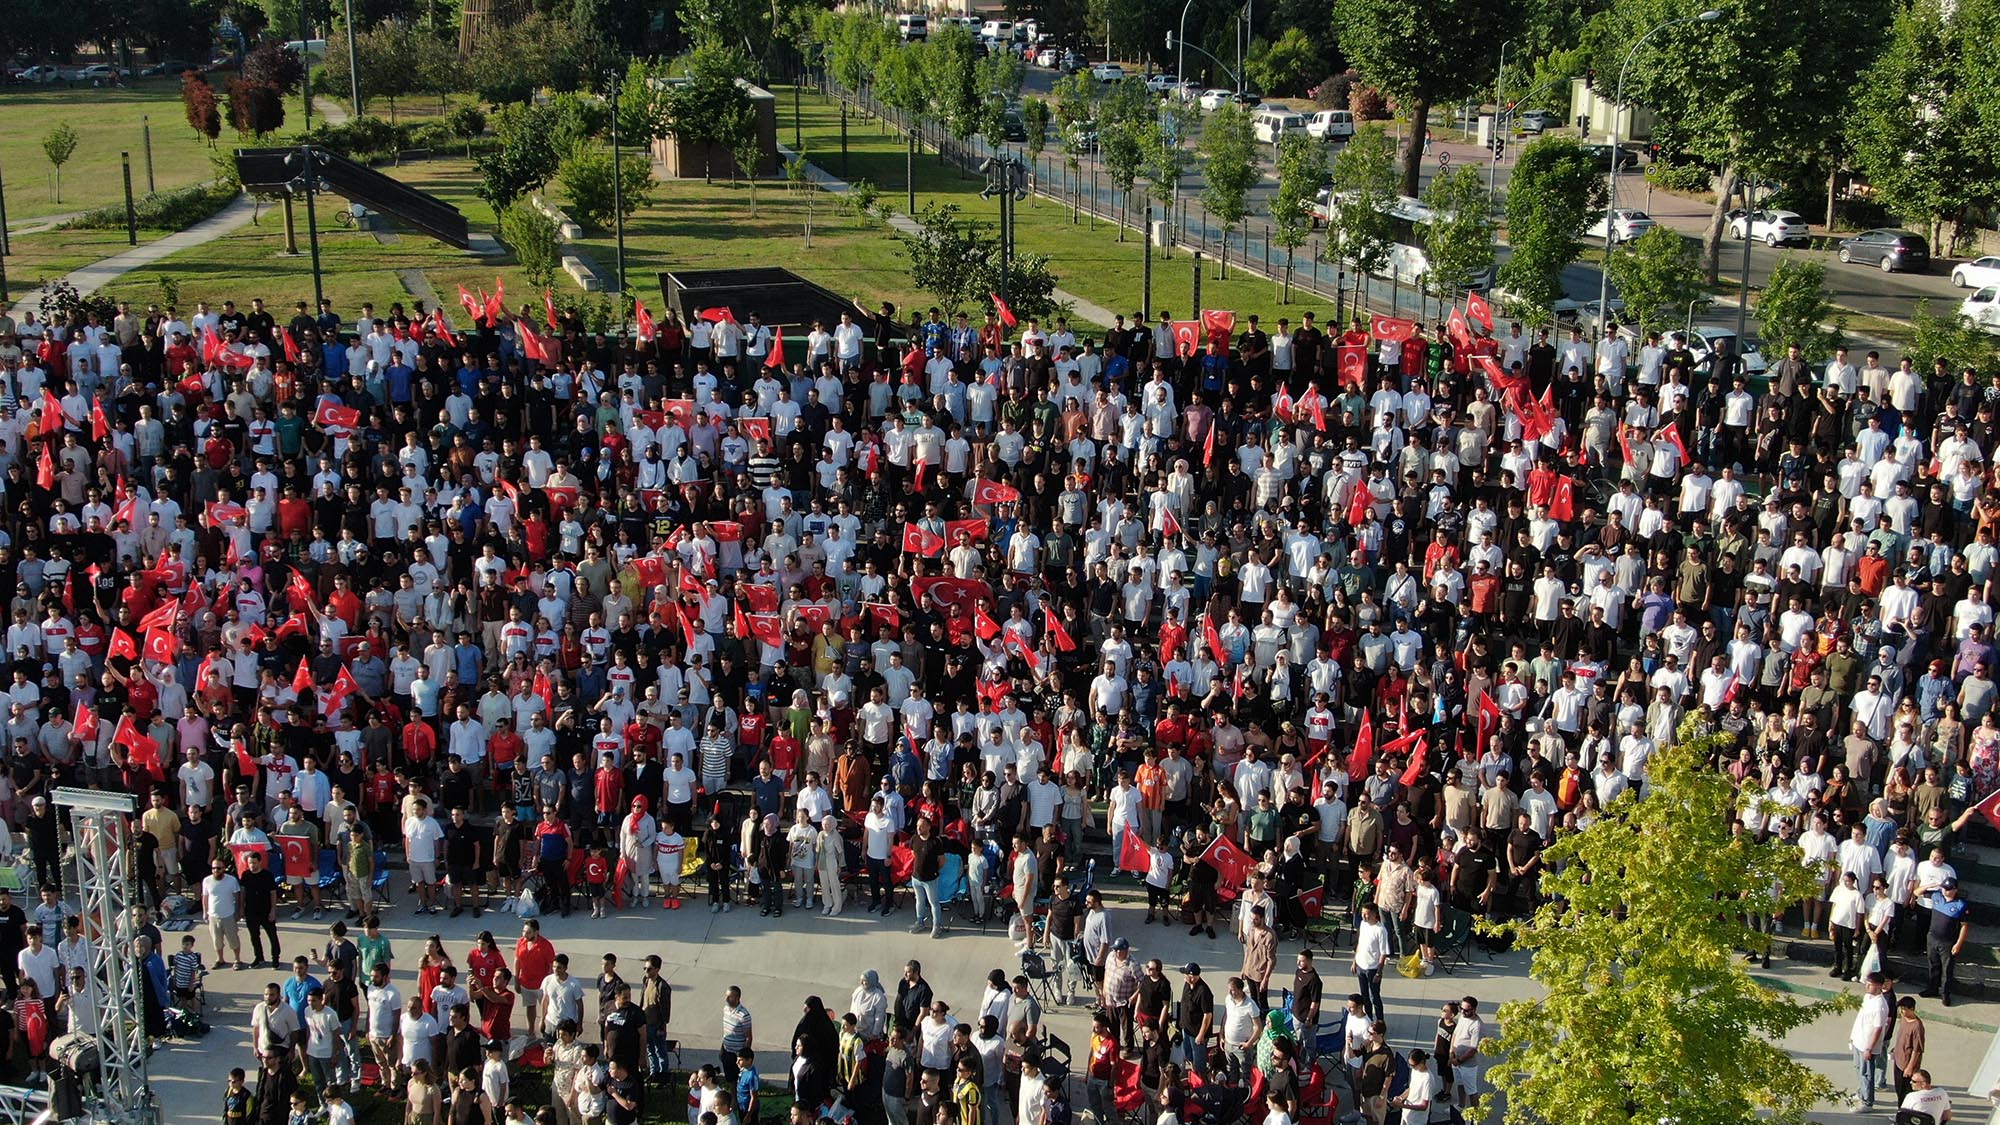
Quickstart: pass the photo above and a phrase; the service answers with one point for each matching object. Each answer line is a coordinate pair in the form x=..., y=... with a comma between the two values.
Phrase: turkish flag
x=768, y=628
x=1359, y=503
x=689, y=584
x=1990, y=808
x=1562, y=503
x=756, y=429
x=123, y=645
x=882, y=613
x=1457, y=331
x=917, y=541
x=972, y=529
x=298, y=856
x=1134, y=855
x=1281, y=406
x=331, y=413
x=161, y=645
x=1315, y=405
x=1213, y=638
x=1187, y=337
x=1170, y=524
x=1058, y=634
x=243, y=852
x=1004, y=310
x=956, y=593
x=295, y=624
x=442, y=327
x=303, y=678
x=774, y=360
x=1231, y=862
x=1352, y=362
x=496, y=304
x=1671, y=434
x=84, y=726
x=549, y=307
x=165, y=617
x=100, y=426
x=813, y=614
x=1477, y=308
x=1208, y=445
x=984, y=625
x=473, y=307
x=726, y=531
x=225, y=512
x=532, y=344
x=762, y=598
x=681, y=410
x=647, y=330
x=1488, y=720
x=1312, y=903
x=1364, y=748
x=717, y=314
x=993, y=492
x=1217, y=324
x=344, y=685
x=1391, y=328
x=45, y=471
x=1417, y=757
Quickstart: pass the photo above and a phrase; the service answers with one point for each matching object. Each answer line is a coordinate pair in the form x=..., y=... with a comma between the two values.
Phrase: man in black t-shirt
x=1197, y=1017
x=1474, y=875
x=464, y=851
x=260, y=908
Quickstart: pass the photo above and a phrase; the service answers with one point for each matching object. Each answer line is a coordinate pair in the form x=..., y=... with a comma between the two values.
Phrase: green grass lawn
x=107, y=121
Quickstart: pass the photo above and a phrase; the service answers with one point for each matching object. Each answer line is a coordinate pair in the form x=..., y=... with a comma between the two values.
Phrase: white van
x=1269, y=123
x=909, y=26
x=997, y=31
x=1330, y=125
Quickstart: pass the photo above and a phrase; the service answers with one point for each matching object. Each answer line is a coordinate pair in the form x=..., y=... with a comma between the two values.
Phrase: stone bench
x=581, y=272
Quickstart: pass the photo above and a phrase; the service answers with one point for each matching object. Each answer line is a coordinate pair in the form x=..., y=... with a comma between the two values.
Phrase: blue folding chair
x=329, y=869
x=379, y=886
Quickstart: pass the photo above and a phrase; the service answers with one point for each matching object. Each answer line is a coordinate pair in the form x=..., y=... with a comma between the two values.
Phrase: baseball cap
x=1191, y=969
x=1121, y=945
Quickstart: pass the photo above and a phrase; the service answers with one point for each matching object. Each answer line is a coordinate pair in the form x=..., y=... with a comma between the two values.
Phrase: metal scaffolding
x=20, y=1105
x=101, y=826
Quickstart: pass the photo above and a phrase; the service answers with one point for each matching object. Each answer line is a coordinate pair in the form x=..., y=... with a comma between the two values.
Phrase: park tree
x=1951, y=338
x=1422, y=54
x=946, y=254
x=951, y=71
x=466, y=123
x=645, y=102
x=1923, y=127
x=597, y=194
x=1125, y=125
x=396, y=61
x=1362, y=189
x=514, y=59
x=527, y=157
x=1555, y=191
x=1793, y=308
x=1164, y=160
x=899, y=81
x=1758, y=89
x=255, y=108
x=1035, y=115
x=1301, y=171
x=1658, y=276
x=1459, y=236
x=1645, y=1013
x=1228, y=169
x=709, y=108
x=535, y=240
x=59, y=144
x=273, y=64
x=1285, y=67
x=204, y=113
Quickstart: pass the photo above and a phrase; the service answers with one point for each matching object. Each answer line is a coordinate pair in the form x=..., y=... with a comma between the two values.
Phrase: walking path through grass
x=99, y=274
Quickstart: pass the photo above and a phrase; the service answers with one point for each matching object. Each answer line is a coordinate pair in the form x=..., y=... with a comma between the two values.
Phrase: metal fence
x=1092, y=199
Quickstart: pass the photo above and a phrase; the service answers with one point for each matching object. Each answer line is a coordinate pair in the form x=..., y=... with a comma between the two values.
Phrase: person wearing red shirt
x=419, y=743
x=504, y=748
x=496, y=1007
x=294, y=513
x=345, y=605
x=484, y=960
x=534, y=958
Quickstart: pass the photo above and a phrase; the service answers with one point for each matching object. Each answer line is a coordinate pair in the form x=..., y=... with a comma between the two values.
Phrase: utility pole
x=1743, y=293
x=305, y=66
x=146, y=137
x=131, y=217
x=1197, y=284
x=1146, y=269
x=618, y=182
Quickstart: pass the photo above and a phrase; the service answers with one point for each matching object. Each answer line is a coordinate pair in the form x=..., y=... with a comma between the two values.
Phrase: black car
x=1602, y=156
x=1891, y=250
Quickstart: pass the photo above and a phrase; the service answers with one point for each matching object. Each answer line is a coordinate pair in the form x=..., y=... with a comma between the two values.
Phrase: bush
x=533, y=237
x=1679, y=177
x=166, y=210
x=1335, y=91
x=1367, y=103
x=360, y=136
x=586, y=177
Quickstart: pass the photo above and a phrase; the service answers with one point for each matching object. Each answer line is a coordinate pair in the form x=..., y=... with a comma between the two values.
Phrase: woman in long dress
x=637, y=839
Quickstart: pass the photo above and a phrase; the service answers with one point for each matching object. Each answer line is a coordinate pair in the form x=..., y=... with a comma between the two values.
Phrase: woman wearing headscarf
x=1288, y=875
x=637, y=836
x=832, y=851
x=816, y=1042
x=870, y=1005
x=771, y=854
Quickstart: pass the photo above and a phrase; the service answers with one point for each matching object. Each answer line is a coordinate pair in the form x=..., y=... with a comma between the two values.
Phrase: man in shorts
x=1465, y=1037
x=422, y=836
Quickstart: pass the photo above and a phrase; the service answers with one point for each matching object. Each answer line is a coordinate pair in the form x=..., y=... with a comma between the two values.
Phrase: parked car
x=1537, y=120
x=1977, y=273
x=1048, y=57
x=1270, y=123
x=1773, y=228
x=1983, y=309
x=41, y=74
x=1626, y=225
x=1702, y=342
x=1248, y=99
x=1160, y=84
x=1888, y=249
x=1107, y=72
x=1330, y=125
x=173, y=67
x=1602, y=155
x=1213, y=99
x=100, y=72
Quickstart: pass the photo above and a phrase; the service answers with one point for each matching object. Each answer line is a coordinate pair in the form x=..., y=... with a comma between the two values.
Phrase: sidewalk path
x=903, y=224
x=99, y=274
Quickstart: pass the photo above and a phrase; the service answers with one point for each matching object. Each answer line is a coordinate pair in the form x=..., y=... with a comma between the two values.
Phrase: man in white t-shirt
x=421, y=836
x=222, y=905
x=1871, y=1027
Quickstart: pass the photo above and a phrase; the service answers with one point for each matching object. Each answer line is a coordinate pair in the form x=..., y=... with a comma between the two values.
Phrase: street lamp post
x=1611, y=206
x=1499, y=115
x=353, y=67
x=306, y=162
x=1007, y=178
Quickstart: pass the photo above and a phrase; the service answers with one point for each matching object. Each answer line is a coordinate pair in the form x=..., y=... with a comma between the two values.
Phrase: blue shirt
x=469, y=657
x=747, y=1081
x=296, y=990
x=768, y=796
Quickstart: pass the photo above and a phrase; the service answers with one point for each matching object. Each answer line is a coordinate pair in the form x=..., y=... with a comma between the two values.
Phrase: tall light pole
x=1611, y=206
x=1180, y=57
x=353, y=65
x=1499, y=115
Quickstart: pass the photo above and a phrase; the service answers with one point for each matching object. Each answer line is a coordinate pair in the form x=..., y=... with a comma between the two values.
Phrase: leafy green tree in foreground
x=1793, y=308
x=1459, y=236
x=1423, y=54
x=59, y=144
x=1301, y=170
x=1229, y=169
x=1359, y=228
x=1648, y=1015
x=1658, y=275
x=1555, y=190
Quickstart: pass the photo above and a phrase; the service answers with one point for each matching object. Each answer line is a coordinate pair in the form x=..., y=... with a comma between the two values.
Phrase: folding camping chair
x=952, y=889
x=1043, y=982
x=379, y=889
x=1454, y=939
x=1327, y=1031
x=1128, y=1093
x=329, y=878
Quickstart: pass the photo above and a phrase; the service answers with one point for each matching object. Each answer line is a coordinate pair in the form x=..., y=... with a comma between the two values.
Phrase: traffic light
x=1499, y=145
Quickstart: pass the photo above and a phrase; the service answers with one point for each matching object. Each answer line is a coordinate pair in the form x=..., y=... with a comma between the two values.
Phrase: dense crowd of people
x=513, y=617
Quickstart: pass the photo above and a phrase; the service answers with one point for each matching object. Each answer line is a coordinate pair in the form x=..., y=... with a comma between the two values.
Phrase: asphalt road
x=1862, y=289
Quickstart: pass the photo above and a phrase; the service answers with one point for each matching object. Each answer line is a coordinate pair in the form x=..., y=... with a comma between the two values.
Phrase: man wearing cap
x=1197, y=1018
x=1951, y=923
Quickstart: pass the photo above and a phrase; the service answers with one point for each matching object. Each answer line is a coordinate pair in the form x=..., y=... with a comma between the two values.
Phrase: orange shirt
x=1152, y=783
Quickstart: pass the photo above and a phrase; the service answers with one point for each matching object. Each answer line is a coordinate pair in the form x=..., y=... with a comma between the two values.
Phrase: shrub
x=586, y=177
x=1334, y=92
x=1367, y=103
x=1679, y=177
x=534, y=239
x=177, y=209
